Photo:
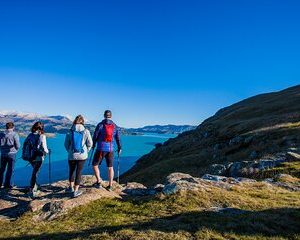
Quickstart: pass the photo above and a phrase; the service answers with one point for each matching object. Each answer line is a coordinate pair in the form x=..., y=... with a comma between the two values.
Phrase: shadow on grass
x=282, y=222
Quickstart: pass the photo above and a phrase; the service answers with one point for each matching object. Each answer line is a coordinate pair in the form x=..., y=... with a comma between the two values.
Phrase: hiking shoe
x=8, y=188
x=109, y=188
x=97, y=185
x=33, y=194
x=77, y=194
x=70, y=190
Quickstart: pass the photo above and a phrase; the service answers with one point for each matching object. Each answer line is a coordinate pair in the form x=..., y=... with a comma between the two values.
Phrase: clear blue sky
x=150, y=61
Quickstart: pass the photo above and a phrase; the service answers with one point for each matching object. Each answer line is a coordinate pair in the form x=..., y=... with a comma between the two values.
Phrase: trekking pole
x=118, y=168
x=90, y=160
x=13, y=172
x=50, y=180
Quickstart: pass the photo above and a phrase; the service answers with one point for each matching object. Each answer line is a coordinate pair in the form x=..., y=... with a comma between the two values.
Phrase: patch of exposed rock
x=251, y=169
x=53, y=201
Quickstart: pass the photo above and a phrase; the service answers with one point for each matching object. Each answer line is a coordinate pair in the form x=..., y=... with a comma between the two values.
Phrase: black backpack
x=31, y=148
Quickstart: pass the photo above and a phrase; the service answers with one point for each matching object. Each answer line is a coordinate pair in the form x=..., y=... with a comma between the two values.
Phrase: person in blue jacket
x=105, y=134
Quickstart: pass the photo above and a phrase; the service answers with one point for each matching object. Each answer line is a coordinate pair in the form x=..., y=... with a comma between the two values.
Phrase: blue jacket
x=99, y=136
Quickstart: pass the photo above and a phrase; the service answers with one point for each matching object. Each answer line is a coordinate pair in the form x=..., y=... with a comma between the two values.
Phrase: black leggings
x=78, y=166
x=36, y=168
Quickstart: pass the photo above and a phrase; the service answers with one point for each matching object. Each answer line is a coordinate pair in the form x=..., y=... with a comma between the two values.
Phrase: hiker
x=34, y=151
x=9, y=144
x=78, y=143
x=105, y=132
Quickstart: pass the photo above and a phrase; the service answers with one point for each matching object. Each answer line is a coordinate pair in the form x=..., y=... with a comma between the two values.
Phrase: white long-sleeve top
x=43, y=146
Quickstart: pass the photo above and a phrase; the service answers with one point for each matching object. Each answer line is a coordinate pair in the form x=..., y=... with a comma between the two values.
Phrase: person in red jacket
x=105, y=134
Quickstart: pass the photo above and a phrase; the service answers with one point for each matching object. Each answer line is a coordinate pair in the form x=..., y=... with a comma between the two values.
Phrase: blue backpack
x=77, y=139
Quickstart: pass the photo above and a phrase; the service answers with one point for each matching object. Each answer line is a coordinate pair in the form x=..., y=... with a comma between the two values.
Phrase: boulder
x=173, y=177
x=135, y=189
x=53, y=200
x=215, y=178
x=217, y=169
x=292, y=156
x=252, y=168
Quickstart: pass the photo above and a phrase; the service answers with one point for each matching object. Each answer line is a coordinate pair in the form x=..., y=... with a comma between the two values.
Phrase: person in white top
x=37, y=132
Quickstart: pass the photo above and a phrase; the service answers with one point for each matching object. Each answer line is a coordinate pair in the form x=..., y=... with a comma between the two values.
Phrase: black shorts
x=99, y=155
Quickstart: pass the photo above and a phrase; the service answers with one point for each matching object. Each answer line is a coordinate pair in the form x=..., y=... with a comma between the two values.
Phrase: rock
x=292, y=156
x=180, y=185
x=184, y=182
x=217, y=169
x=135, y=189
x=35, y=206
x=228, y=210
x=53, y=201
x=214, y=178
x=252, y=168
x=170, y=189
x=173, y=177
x=159, y=187
x=234, y=169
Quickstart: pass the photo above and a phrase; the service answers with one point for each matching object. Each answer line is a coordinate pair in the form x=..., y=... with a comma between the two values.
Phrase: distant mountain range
x=61, y=124
x=163, y=129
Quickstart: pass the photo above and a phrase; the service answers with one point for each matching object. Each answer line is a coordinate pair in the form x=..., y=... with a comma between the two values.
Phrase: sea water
x=133, y=147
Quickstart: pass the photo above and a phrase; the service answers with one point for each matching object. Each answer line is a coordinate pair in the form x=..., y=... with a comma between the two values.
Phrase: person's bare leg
x=110, y=175
x=76, y=188
x=97, y=173
x=72, y=185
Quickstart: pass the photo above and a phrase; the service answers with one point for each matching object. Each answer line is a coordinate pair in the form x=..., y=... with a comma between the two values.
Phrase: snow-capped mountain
x=24, y=121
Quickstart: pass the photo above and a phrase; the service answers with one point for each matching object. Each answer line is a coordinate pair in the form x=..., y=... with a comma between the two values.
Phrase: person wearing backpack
x=9, y=144
x=105, y=132
x=78, y=143
x=34, y=151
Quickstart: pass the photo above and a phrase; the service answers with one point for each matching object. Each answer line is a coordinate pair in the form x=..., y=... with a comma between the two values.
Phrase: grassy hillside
x=262, y=211
x=248, y=130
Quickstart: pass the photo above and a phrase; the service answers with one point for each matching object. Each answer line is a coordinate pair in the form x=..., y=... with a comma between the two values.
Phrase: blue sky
x=151, y=62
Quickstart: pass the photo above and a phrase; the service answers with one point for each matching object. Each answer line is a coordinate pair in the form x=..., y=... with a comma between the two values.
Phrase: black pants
x=78, y=166
x=36, y=165
x=7, y=161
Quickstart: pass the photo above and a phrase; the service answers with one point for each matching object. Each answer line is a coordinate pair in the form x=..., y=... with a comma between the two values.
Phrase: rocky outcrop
x=53, y=201
x=252, y=169
x=177, y=182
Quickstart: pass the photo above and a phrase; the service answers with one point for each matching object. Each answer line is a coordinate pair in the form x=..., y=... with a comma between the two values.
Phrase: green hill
x=262, y=125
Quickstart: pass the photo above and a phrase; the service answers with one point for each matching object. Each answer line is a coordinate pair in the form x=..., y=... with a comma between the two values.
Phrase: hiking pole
x=13, y=171
x=118, y=167
x=91, y=157
x=50, y=180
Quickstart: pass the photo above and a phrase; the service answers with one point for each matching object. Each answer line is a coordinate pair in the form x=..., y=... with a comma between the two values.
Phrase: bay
x=133, y=147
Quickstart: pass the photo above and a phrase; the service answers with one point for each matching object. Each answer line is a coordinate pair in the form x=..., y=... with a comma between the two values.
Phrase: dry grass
x=271, y=213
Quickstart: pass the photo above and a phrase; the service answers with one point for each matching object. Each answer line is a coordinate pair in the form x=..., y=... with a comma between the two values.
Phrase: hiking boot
x=109, y=188
x=8, y=188
x=70, y=190
x=33, y=194
x=77, y=194
x=97, y=185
